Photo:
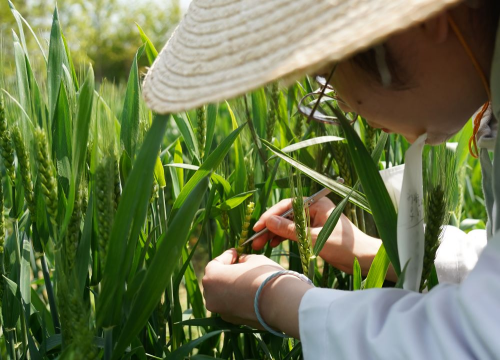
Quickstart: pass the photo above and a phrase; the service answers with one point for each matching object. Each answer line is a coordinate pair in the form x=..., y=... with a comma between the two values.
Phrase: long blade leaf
x=212, y=162
x=356, y=198
x=129, y=220
x=383, y=210
x=159, y=272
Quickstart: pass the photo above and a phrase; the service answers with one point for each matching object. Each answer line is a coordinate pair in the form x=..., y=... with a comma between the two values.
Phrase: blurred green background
x=102, y=33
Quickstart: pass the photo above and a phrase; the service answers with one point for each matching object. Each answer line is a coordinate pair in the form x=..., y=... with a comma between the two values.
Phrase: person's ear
x=436, y=28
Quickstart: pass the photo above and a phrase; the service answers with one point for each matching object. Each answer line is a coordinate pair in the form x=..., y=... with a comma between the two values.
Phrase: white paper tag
x=411, y=216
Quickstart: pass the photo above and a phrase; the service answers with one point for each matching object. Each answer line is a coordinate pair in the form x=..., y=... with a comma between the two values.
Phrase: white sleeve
x=458, y=253
x=450, y=322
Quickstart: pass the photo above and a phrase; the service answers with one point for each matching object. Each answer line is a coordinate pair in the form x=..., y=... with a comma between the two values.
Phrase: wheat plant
x=110, y=212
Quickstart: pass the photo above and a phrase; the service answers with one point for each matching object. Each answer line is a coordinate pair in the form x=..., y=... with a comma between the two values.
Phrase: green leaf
x=210, y=164
x=82, y=124
x=342, y=190
x=160, y=270
x=39, y=108
x=186, y=129
x=218, y=323
x=379, y=148
x=356, y=275
x=381, y=205
x=73, y=76
x=192, y=286
x=378, y=269
x=129, y=119
x=11, y=305
x=310, y=142
x=78, y=141
x=125, y=167
x=182, y=166
x=61, y=128
x=83, y=252
x=433, y=279
x=240, y=170
x=259, y=111
x=25, y=277
x=57, y=57
x=129, y=219
x=22, y=77
x=234, y=201
x=212, y=111
x=151, y=51
x=220, y=181
x=401, y=277
x=178, y=160
x=160, y=173
x=19, y=18
x=184, y=350
x=266, y=191
x=463, y=145
x=330, y=224
x=42, y=310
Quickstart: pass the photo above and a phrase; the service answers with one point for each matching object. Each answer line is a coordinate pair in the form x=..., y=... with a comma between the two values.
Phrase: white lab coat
x=453, y=321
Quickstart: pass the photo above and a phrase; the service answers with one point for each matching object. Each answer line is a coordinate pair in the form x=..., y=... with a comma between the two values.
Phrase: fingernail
x=257, y=224
x=274, y=221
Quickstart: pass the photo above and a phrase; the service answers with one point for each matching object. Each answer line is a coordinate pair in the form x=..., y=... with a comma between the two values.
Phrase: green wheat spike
x=104, y=188
x=246, y=225
x=301, y=219
x=6, y=148
x=273, y=111
x=201, y=116
x=25, y=169
x=436, y=212
x=47, y=173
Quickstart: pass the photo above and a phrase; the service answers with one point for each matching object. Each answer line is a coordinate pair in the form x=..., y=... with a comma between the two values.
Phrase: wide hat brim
x=225, y=48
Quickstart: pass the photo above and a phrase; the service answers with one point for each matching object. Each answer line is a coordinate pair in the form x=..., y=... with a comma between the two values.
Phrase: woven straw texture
x=225, y=48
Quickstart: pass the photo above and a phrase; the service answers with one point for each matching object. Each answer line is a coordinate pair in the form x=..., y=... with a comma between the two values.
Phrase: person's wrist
x=367, y=252
x=279, y=303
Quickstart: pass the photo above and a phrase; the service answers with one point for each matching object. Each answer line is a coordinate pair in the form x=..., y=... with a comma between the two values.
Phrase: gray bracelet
x=257, y=295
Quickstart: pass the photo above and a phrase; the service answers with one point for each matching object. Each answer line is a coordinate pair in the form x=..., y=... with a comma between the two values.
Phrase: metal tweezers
x=289, y=213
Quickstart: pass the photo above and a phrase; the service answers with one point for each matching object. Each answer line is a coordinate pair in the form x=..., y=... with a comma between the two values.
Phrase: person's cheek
x=344, y=107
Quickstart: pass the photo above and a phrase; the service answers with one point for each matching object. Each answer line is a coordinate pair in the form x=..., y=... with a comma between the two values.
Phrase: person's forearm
x=364, y=248
x=280, y=301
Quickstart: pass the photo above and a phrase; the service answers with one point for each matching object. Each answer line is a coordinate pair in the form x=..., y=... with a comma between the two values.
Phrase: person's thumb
x=281, y=227
x=228, y=257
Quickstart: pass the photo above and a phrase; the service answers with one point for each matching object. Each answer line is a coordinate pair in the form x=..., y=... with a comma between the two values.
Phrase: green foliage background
x=110, y=211
x=102, y=33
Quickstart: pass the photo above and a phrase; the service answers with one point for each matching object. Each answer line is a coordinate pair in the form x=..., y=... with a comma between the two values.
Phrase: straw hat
x=225, y=48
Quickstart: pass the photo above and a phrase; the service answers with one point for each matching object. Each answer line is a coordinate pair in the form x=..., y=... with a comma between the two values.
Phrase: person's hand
x=344, y=244
x=281, y=228
x=229, y=289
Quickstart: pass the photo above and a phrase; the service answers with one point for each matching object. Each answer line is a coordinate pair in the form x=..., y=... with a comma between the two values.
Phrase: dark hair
x=483, y=20
x=367, y=62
